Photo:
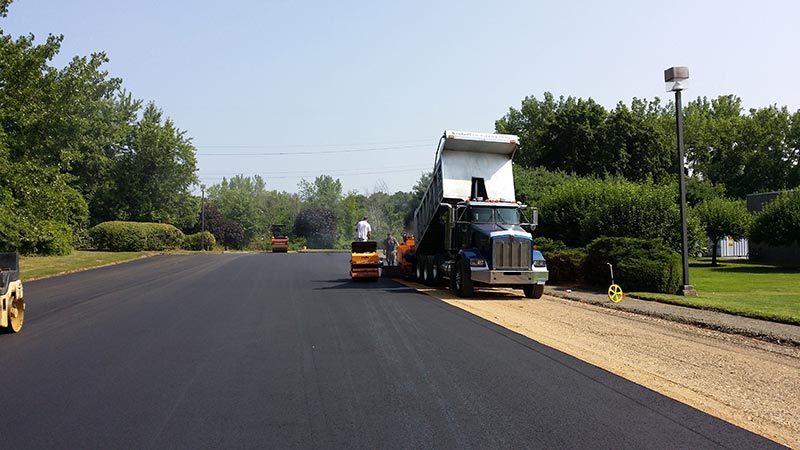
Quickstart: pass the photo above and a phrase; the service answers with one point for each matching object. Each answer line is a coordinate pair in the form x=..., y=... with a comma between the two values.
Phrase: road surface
x=238, y=351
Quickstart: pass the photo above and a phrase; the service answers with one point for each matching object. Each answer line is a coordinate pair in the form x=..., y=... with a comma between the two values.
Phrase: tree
x=530, y=123
x=41, y=125
x=318, y=226
x=579, y=136
x=633, y=144
x=779, y=222
x=154, y=172
x=238, y=200
x=722, y=218
x=699, y=190
x=324, y=192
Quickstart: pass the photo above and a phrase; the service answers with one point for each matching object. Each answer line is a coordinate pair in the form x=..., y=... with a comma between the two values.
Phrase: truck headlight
x=540, y=263
x=477, y=262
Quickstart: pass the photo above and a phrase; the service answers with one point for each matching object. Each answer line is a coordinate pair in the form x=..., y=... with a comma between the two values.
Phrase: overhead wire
x=311, y=152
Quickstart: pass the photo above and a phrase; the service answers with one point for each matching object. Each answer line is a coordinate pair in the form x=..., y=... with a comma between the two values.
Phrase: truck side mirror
x=531, y=222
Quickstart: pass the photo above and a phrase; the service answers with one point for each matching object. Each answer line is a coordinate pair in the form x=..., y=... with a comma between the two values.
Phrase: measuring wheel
x=615, y=293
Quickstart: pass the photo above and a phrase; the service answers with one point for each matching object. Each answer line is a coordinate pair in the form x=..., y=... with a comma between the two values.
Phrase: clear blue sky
x=256, y=76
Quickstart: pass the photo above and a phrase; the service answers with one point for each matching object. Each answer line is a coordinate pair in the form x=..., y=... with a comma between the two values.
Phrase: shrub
x=47, y=238
x=566, y=265
x=582, y=210
x=135, y=236
x=199, y=241
x=639, y=264
x=547, y=245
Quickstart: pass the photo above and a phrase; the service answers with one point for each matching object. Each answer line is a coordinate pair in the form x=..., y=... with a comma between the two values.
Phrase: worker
x=390, y=249
x=363, y=230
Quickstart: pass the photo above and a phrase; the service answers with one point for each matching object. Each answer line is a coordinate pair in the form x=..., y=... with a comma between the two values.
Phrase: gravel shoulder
x=740, y=370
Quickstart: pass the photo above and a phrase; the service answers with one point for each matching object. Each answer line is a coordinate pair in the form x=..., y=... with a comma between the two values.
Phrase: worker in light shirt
x=363, y=230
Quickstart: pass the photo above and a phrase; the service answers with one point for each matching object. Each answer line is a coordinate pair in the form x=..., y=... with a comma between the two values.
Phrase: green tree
x=779, y=222
x=701, y=190
x=574, y=141
x=318, y=226
x=770, y=154
x=417, y=192
x=238, y=200
x=722, y=218
x=154, y=172
x=633, y=144
x=324, y=192
x=530, y=123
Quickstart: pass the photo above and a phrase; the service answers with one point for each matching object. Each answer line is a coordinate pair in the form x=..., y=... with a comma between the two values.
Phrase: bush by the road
x=135, y=236
x=639, y=264
x=199, y=241
x=581, y=210
x=566, y=265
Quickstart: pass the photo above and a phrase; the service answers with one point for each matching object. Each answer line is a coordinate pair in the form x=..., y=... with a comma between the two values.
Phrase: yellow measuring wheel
x=614, y=291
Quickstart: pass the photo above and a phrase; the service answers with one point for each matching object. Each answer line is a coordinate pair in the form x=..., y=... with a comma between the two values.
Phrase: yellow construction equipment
x=364, y=260
x=12, y=303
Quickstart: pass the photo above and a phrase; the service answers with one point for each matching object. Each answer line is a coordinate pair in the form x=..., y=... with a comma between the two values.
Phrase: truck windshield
x=488, y=214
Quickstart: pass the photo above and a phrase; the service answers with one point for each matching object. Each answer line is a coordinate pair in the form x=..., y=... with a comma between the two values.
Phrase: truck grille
x=511, y=254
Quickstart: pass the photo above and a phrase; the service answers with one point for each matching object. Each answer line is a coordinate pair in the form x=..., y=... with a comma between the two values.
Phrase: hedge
x=197, y=241
x=639, y=264
x=135, y=236
x=581, y=210
x=566, y=265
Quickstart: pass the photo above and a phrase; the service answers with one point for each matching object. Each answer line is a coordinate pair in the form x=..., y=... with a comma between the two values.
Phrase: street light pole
x=676, y=77
x=203, y=216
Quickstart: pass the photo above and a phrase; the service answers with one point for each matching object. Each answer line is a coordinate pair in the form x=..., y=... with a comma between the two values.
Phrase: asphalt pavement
x=262, y=351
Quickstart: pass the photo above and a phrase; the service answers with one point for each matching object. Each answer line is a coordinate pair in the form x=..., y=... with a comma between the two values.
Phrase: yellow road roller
x=364, y=260
x=12, y=304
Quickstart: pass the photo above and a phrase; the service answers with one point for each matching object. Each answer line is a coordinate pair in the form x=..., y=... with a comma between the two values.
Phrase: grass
x=34, y=267
x=763, y=291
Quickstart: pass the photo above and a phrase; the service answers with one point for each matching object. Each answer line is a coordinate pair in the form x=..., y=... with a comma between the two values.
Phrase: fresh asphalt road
x=281, y=351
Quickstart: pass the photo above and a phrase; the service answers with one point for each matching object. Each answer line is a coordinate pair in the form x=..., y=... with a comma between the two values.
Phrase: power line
x=280, y=177
x=314, y=145
x=312, y=152
x=357, y=170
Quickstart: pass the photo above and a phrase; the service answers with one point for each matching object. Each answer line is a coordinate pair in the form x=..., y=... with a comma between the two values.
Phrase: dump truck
x=469, y=225
x=280, y=241
x=364, y=260
x=12, y=302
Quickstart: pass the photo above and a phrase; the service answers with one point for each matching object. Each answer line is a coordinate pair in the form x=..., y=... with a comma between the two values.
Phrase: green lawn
x=741, y=287
x=33, y=267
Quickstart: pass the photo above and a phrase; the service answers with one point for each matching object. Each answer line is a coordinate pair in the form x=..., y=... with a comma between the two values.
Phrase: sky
x=362, y=90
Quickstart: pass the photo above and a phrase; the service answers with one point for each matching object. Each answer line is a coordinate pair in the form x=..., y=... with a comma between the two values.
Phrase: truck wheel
x=533, y=290
x=462, y=283
x=420, y=268
x=16, y=314
x=430, y=271
x=436, y=271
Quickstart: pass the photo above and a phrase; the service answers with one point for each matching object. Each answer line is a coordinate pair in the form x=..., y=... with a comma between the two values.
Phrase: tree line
x=596, y=172
x=77, y=149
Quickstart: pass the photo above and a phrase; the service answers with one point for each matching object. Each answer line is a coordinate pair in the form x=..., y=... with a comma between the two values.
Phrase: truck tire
x=420, y=268
x=533, y=290
x=16, y=315
x=461, y=281
x=436, y=270
x=430, y=271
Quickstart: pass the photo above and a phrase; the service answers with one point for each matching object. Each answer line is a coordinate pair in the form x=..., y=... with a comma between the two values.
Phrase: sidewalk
x=774, y=332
